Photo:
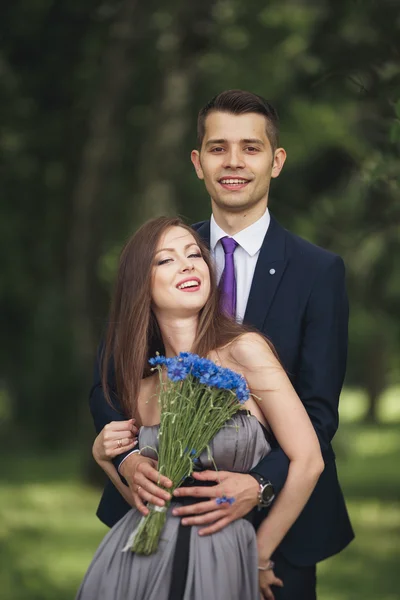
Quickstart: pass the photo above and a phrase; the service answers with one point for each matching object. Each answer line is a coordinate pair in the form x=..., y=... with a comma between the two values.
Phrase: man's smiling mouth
x=233, y=180
x=232, y=183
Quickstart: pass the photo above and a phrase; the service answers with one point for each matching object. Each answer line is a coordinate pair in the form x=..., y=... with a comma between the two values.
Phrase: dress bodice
x=238, y=446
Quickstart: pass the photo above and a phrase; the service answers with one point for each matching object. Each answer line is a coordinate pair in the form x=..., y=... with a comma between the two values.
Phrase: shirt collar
x=250, y=239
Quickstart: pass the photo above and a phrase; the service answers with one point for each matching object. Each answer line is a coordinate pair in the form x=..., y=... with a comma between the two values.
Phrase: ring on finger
x=119, y=443
x=139, y=487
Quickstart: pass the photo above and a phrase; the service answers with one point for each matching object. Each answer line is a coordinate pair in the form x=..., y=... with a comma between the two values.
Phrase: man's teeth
x=233, y=181
x=188, y=284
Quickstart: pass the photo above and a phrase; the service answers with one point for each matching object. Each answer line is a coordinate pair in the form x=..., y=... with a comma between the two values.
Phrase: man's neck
x=233, y=222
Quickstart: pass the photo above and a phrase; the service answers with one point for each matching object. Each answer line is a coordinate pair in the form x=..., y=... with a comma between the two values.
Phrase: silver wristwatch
x=266, y=492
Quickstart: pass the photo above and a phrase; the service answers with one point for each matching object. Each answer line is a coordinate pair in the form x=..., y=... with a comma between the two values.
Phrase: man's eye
x=217, y=150
x=252, y=149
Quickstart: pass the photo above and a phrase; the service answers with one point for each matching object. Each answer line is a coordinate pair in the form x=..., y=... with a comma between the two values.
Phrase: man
x=291, y=291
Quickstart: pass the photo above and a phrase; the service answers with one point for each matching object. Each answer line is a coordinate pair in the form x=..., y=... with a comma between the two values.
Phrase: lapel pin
x=272, y=271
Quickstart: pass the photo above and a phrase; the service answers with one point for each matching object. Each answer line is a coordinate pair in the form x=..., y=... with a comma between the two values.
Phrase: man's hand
x=267, y=579
x=242, y=488
x=116, y=437
x=142, y=477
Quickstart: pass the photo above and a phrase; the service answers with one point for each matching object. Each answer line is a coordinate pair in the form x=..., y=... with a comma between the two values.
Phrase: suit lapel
x=204, y=232
x=268, y=273
x=265, y=283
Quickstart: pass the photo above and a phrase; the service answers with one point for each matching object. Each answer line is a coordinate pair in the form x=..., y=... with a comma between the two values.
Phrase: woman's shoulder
x=249, y=348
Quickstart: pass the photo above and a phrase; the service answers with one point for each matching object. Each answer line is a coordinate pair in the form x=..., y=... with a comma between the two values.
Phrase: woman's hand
x=266, y=579
x=144, y=482
x=116, y=437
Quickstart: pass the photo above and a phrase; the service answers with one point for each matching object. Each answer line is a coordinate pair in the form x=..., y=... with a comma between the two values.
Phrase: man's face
x=236, y=160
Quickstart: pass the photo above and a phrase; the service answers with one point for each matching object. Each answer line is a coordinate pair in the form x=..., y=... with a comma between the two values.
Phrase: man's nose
x=234, y=159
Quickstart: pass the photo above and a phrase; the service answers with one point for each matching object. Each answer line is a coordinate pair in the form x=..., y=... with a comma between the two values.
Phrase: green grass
x=368, y=465
x=49, y=531
x=368, y=459
x=353, y=405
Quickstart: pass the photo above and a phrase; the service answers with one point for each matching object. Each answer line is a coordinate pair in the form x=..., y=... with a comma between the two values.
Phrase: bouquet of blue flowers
x=196, y=399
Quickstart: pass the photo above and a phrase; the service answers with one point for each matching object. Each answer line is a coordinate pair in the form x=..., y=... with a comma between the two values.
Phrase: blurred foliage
x=98, y=110
x=49, y=531
x=99, y=102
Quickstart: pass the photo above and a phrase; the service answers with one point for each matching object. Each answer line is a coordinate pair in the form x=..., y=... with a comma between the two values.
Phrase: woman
x=166, y=299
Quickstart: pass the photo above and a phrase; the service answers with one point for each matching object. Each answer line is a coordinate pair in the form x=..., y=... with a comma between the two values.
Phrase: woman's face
x=181, y=279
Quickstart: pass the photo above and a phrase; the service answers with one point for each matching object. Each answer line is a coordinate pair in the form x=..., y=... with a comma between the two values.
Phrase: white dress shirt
x=245, y=256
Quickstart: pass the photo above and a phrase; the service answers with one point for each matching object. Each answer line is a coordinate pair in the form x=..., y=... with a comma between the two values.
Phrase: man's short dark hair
x=238, y=102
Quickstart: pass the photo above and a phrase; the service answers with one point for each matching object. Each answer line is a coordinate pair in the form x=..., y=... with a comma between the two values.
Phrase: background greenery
x=98, y=106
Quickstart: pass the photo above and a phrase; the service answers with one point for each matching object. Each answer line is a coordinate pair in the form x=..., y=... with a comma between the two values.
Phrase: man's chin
x=234, y=202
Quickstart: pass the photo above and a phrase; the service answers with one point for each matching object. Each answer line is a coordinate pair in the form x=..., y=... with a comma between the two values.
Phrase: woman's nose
x=187, y=265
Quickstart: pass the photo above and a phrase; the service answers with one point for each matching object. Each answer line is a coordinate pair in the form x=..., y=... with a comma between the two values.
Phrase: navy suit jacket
x=298, y=300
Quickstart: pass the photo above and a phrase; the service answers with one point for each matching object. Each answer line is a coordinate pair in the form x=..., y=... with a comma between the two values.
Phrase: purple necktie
x=228, y=280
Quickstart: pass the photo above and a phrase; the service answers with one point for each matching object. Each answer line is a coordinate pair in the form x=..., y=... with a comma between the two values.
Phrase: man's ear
x=279, y=161
x=195, y=158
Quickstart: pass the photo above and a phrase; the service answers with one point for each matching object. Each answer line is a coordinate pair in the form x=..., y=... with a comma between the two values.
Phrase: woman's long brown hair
x=133, y=335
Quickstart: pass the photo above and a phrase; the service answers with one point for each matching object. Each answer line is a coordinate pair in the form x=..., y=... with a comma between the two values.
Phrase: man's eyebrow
x=173, y=249
x=210, y=142
x=253, y=141
x=244, y=141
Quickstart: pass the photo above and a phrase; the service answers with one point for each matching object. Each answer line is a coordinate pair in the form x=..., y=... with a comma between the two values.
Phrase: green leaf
x=395, y=132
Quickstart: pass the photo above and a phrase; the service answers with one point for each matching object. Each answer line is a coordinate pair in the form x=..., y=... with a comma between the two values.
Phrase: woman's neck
x=178, y=334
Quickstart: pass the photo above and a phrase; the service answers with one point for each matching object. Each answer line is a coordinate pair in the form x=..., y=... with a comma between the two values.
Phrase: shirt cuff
x=124, y=459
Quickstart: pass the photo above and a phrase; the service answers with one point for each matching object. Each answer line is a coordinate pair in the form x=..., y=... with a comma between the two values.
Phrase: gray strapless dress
x=222, y=566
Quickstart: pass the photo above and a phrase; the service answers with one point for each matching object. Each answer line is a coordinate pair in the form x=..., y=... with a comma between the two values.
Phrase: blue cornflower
x=177, y=371
x=242, y=391
x=225, y=500
x=188, y=356
x=157, y=360
x=206, y=371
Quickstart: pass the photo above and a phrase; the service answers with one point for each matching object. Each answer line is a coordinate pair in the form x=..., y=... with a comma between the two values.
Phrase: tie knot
x=229, y=244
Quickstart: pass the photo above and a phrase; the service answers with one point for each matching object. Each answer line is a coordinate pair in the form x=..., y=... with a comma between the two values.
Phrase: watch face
x=267, y=493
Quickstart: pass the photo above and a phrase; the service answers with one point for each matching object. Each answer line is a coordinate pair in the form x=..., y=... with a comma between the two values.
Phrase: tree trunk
x=375, y=374
x=98, y=153
x=97, y=157
x=162, y=161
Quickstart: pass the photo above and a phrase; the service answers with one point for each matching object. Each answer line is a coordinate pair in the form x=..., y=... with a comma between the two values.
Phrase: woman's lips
x=191, y=289
x=190, y=284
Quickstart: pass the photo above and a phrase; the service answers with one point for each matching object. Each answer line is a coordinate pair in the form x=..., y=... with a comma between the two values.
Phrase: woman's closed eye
x=165, y=261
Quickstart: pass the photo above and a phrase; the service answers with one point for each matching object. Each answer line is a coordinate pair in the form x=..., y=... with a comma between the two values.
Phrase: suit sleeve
x=322, y=365
x=102, y=411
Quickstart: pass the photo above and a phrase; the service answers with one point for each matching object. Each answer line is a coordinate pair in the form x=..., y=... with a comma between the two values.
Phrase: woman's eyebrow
x=173, y=249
